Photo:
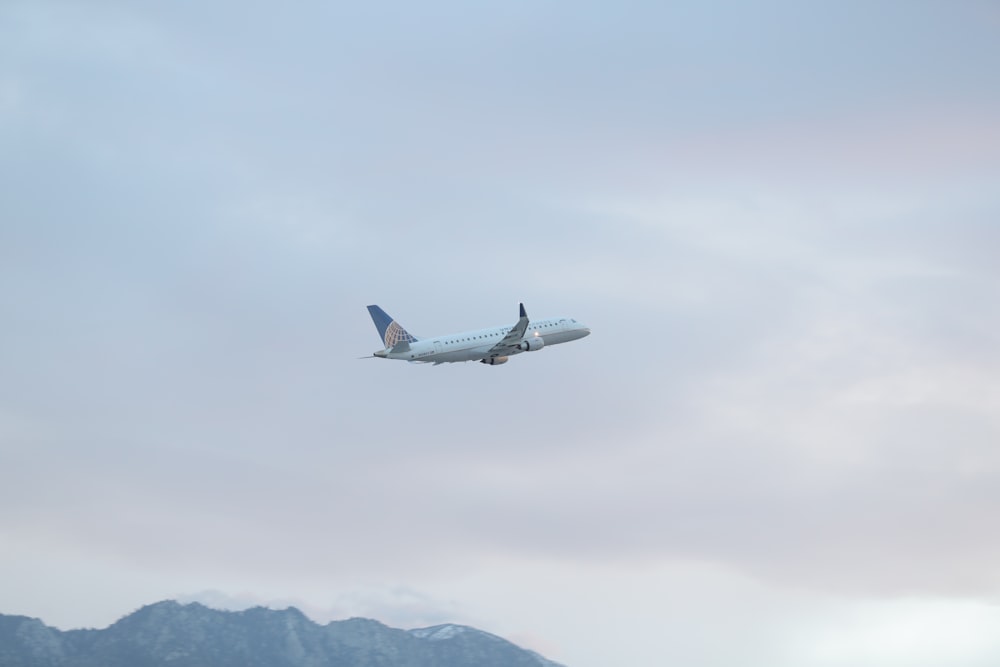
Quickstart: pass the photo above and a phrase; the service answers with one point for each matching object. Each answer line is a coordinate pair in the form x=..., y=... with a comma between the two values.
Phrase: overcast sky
x=780, y=447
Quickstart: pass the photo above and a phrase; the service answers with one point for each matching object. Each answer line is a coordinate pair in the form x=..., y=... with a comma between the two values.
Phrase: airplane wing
x=509, y=342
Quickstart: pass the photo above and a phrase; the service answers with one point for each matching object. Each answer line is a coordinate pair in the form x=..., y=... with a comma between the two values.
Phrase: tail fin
x=389, y=330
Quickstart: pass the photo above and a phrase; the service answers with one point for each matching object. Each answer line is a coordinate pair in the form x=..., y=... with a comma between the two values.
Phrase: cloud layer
x=779, y=222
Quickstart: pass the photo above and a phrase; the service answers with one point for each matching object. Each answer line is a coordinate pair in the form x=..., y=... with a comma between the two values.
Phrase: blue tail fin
x=389, y=329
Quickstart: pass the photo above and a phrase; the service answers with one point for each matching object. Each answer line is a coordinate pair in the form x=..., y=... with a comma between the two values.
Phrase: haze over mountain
x=194, y=635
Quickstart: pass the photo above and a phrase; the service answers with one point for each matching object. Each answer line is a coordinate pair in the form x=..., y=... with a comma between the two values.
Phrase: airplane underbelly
x=562, y=337
x=477, y=353
x=451, y=355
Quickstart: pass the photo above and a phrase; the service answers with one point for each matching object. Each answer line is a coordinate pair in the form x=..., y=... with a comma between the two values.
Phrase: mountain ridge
x=169, y=633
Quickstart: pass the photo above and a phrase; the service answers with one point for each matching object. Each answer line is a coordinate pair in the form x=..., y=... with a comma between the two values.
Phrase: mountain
x=169, y=634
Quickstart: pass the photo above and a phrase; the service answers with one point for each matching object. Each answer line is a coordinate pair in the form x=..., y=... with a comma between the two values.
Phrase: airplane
x=492, y=346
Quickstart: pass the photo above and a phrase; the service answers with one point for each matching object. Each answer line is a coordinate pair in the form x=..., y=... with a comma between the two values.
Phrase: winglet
x=523, y=314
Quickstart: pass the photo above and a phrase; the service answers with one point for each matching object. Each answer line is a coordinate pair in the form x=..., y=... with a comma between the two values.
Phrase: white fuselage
x=476, y=345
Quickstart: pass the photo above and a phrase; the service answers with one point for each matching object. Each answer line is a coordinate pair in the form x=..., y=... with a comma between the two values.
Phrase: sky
x=779, y=447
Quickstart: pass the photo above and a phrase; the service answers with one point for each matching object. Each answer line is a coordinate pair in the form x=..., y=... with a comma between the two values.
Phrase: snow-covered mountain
x=192, y=635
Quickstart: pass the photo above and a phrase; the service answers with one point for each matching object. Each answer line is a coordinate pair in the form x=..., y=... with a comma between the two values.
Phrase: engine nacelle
x=494, y=361
x=531, y=344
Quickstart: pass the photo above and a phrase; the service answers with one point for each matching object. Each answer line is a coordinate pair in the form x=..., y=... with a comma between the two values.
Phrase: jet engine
x=494, y=361
x=531, y=344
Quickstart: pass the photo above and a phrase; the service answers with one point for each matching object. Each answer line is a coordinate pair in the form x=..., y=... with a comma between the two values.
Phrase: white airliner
x=491, y=346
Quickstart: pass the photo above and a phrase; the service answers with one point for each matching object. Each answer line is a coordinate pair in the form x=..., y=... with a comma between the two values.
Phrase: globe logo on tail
x=396, y=334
